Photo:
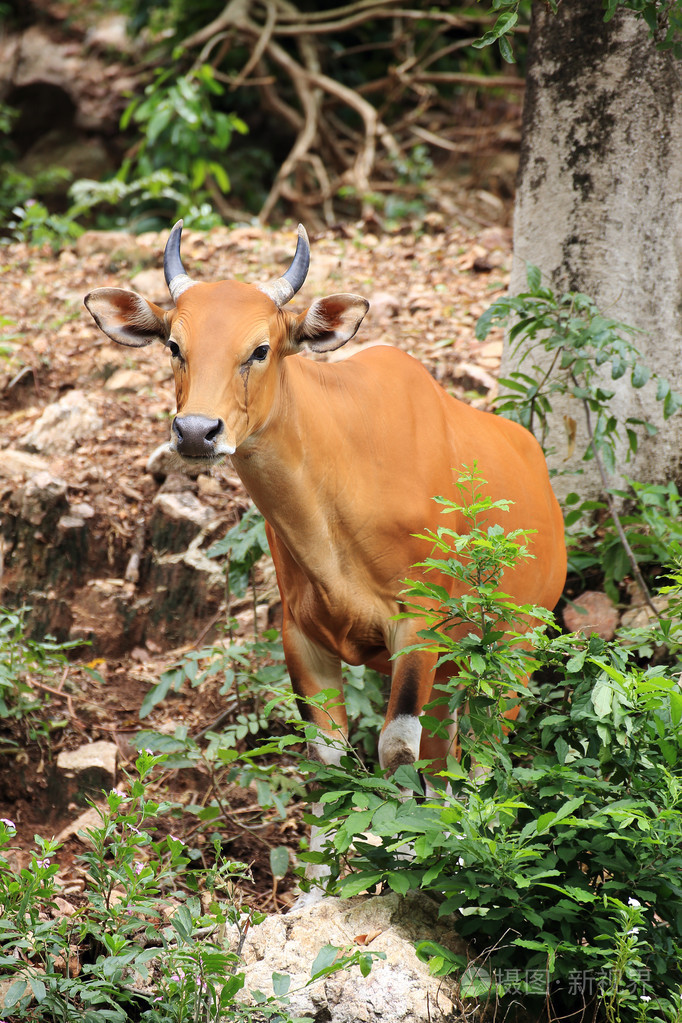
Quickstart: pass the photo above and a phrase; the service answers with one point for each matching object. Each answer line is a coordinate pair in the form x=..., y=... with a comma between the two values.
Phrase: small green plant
x=137, y=921
x=243, y=546
x=25, y=664
x=663, y=19
x=578, y=340
x=153, y=938
x=21, y=215
x=575, y=345
x=33, y=223
x=651, y=521
x=549, y=826
x=493, y=655
x=178, y=165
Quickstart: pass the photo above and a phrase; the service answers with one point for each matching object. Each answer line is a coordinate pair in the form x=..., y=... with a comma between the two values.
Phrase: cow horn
x=285, y=287
x=176, y=276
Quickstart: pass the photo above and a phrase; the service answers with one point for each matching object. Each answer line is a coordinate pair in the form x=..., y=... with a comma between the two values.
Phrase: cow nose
x=195, y=436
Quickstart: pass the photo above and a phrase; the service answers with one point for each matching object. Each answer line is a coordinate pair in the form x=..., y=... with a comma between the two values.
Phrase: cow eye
x=260, y=354
x=174, y=349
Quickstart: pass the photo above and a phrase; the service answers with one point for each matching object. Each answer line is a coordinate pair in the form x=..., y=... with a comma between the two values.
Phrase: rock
x=88, y=819
x=105, y=241
x=188, y=590
x=592, y=611
x=43, y=496
x=15, y=464
x=110, y=32
x=97, y=90
x=152, y=284
x=177, y=519
x=127, y=380
x=163, y=461
x=69, y=523
x=82, y=509
x=640, y=615
x=383, y=305
x=63, y=425
x=82, y=157
x=83, y=773
x=399, y=988
x=473, y=377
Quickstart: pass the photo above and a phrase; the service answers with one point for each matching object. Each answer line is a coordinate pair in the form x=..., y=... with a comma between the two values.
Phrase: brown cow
x=344, y=461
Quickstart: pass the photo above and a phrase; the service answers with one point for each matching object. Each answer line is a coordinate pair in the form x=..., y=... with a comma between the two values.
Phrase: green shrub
x=558, y=849
x=25, y=666
x=153, y=939
x=178, y=165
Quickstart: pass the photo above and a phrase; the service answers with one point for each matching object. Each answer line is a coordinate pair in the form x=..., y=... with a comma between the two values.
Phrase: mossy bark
x=599, y=204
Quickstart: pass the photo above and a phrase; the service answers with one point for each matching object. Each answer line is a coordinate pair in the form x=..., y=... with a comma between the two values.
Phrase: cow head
x=227, y=342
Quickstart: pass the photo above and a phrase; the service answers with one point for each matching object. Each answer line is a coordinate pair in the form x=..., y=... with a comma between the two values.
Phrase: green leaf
x=182, y=923
x=279, y=861
x=640, y=375
x=281, y=982
x=602, y=698
x=398, y=881
x=230, y=988
x=171, y=679
x=355, y=884
x=544, y=821
x=506, y=50
x=38, y=988
x=14, y=993
x=326, y=958
x=533, y=277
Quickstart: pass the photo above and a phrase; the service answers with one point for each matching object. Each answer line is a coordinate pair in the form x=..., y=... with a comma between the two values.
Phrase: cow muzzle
x=199, y=437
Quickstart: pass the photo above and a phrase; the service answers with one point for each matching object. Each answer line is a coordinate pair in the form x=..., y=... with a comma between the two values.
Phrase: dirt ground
x=427, y=288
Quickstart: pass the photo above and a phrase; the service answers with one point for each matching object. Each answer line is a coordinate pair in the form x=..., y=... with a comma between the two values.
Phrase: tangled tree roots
x=344, y=142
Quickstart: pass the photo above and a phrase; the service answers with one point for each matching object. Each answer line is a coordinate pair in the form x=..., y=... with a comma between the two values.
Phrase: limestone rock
x=177, y=519
x=383, y=305
x=640, y=615
x=63, y=425
x=84, y=772
x=399, y=988
x=41, y=495
x=592, y=611
x=15, y=464
x=127, y=380
x=152, y=284
x=163, y=462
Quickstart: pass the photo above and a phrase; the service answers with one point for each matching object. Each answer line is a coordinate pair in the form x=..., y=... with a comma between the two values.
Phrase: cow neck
x=290, y=466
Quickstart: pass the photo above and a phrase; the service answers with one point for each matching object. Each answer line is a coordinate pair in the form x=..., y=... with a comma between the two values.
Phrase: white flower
x=634, y=902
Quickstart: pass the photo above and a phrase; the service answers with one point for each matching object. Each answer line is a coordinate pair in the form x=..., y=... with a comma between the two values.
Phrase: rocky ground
x=107, y=546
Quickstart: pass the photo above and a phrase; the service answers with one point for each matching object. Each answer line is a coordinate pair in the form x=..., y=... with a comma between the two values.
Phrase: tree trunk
x=599, y=206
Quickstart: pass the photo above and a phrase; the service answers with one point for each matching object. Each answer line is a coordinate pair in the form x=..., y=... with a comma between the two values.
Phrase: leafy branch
x=577, y=345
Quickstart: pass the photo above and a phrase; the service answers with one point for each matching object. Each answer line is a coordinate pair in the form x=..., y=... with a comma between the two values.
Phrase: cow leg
x=313, y=670
x=402, y=739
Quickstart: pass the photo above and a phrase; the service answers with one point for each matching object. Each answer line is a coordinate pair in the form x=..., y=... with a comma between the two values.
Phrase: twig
x=464, y=78
x=615, y=514
x=261, y=45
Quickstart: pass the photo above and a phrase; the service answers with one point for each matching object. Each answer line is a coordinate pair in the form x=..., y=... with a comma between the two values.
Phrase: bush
x=558, y=850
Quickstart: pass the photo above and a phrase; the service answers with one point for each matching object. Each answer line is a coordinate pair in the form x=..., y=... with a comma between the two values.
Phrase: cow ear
x=128, y=318
x=330, y=322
